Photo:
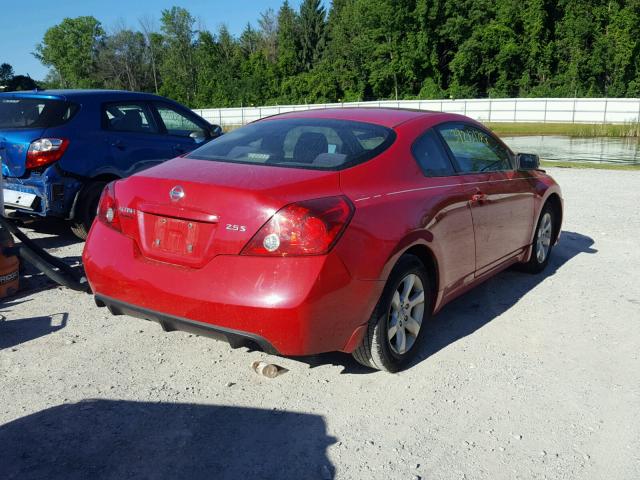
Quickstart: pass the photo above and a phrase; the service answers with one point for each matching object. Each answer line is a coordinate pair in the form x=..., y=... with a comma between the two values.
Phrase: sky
x=22, y=26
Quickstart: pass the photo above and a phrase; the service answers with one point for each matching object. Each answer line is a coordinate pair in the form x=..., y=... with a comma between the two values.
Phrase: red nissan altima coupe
x=322, y=230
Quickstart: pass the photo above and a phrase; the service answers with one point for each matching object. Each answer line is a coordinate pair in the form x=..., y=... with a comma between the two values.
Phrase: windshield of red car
x=318, y=144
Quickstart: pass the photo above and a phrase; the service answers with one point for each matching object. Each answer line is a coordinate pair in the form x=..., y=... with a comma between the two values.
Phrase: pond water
x=624, y=151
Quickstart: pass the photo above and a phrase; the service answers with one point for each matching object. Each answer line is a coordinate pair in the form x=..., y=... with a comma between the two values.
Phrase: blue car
x=59, y=148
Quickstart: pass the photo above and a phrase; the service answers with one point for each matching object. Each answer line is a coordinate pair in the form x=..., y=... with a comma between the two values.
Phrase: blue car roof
x=98, y=95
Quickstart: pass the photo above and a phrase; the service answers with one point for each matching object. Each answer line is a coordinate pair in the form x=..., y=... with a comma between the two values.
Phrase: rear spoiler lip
x=33, y=94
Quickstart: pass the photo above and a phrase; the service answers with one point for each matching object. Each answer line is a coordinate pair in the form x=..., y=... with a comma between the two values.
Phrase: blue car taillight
x=45, y=151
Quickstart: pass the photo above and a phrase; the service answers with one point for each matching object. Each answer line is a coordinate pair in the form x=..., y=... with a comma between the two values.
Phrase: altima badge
x=176, y=193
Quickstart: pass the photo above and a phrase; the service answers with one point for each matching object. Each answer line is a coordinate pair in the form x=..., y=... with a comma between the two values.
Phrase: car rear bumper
x=171, y=323
x=292, y=306
x=48, y=194
x=25, y=198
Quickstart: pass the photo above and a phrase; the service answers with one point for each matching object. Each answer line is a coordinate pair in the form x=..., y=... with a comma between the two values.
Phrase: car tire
x=86, y=209
x=398, y=315
x=542, y=242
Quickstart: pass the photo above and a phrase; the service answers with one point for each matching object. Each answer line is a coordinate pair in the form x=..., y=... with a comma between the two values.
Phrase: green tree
x=627, y=55
x=574, y=35
x=178, y=67
x=312, y=32
x=153, y=41
x=345, y=61
x=488, y=62
x=123, y=61
x=616, y=48
x=287, y=41
x=21, y=82
x=369, y=52
x=258, y=76
x=6, y=73
x=268, y=23
x=71, y=49
x=538, y=18
x=363, y=50
x=425, y=47
x=219, y=61
x=392, y=66
x=250, y=40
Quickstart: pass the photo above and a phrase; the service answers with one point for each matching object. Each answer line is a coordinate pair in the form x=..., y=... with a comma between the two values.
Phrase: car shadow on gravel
x=50, y=233
x=492, y=298
x=16, y=332
x=475, y=308
x=99, y=439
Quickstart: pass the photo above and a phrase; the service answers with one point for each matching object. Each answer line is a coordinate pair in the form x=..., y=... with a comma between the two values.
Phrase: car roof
x=93, y=94
x=388, y=117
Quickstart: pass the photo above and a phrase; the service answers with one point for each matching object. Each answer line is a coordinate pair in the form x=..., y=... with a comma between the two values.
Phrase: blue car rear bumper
x=54, y=193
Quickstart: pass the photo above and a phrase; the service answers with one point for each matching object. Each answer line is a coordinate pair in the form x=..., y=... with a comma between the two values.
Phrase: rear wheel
x=86, y=209
x=395, y=327
x=542, y=242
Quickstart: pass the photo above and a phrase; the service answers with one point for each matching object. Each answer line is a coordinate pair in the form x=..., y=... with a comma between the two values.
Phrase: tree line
x=9, y=81
x=361, y=50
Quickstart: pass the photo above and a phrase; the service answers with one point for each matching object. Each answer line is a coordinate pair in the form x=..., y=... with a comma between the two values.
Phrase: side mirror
x=528, y=161
x=216, y=131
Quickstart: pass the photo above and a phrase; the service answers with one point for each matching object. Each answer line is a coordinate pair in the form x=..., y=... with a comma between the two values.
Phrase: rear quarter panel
x=397, y=207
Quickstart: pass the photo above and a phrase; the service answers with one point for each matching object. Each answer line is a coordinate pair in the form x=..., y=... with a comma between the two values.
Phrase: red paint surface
x=473, y=226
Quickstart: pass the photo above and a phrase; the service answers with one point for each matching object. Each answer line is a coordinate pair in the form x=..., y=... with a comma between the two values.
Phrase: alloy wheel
x=406, y=314
x=543, y=240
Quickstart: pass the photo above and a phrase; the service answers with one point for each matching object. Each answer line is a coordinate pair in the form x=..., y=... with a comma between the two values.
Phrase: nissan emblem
x=176, y=193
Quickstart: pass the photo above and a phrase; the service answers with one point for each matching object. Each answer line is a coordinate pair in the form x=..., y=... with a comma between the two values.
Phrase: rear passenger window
x=128, y=117
x=474, y=150
x=431, y=156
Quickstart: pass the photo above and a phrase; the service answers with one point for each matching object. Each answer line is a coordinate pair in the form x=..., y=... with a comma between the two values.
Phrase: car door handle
x=118, y=144
x=478, y=198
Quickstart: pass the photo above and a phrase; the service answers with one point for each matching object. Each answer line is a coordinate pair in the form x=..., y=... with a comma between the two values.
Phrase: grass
x=592, y=165
x=569, y=129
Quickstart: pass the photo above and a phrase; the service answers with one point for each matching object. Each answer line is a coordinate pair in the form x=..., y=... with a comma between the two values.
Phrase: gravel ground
x=526, y=377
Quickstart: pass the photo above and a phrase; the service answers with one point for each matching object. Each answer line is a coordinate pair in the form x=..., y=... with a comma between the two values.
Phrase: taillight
x=45, y=151
x=310, y=227
x=108, y=207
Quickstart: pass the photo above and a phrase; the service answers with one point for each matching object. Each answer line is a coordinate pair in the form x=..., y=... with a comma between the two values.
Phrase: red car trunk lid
x=187, y=211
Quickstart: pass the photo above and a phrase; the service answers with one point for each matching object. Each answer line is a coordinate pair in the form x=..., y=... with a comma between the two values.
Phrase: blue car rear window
x=18, y=113
x=315, y=144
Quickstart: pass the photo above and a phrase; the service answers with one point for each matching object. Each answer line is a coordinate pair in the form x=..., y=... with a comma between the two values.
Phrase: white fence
x=536, y=110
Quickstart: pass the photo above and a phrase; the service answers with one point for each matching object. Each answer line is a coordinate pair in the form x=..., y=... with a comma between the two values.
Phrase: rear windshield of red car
x=317, y=144
x=16, y=113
